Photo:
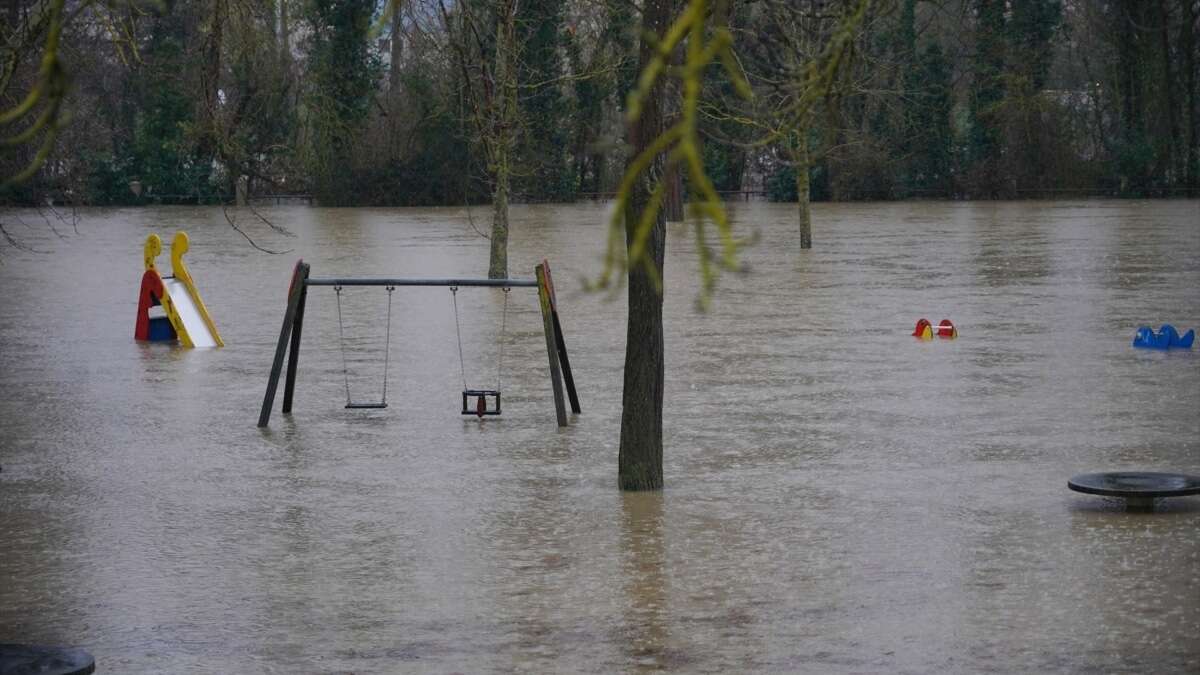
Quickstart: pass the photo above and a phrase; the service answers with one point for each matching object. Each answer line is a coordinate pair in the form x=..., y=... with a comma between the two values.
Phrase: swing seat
x=365, y=406
x=481, y=397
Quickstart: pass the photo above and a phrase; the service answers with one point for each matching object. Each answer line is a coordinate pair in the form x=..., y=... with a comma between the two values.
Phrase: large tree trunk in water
x=673, y=200
x=640, y=462
x=498, y=261
x=503, y=128
x=802, y=160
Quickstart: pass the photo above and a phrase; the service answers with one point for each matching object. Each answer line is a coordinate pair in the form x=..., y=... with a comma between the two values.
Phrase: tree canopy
x=958, y=98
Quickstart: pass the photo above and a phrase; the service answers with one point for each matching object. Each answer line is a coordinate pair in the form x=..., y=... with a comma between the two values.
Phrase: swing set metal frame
x=293, y=323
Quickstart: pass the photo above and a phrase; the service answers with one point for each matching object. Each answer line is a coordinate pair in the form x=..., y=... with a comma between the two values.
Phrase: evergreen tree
x=986, y=93
x=543, y=170
x=162, y=156
x=930, y=162
x=342, y=74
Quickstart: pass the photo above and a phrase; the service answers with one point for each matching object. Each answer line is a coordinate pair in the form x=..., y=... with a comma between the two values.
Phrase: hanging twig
x=12, y=241
x=278, y=228
x=471, y=221
x=49, y=224
x=233, y=224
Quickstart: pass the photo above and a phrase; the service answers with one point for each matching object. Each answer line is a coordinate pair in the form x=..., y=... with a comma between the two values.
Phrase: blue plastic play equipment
x=1184, y=342
x=1166, y=338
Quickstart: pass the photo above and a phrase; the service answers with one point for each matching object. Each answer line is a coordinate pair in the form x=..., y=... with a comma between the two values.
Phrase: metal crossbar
x=367, y=281
x=293, y=320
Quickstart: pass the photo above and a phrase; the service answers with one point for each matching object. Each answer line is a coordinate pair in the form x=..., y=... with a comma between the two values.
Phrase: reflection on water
x=840, y=497
x=645, y=632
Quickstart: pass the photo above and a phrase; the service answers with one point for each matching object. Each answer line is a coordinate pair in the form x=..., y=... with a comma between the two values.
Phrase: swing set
x=478, y=402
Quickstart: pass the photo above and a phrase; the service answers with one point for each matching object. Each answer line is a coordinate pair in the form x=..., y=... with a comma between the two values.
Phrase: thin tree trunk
x=394, y=123
x=802, y=159
x=1187, y=44
x=285, y=46
x=673, y=200
x=503, y=129
x=498, y=261
x=397, y=51
x=640, y=461
x=210, y=81
x=598, y=171
x=1169, y=93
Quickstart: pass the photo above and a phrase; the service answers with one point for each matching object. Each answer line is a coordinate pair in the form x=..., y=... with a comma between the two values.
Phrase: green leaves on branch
x=50, y=89
x=681, y=145
x=52, y=82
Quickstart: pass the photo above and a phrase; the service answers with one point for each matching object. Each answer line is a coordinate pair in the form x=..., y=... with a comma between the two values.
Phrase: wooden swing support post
x=293, y=322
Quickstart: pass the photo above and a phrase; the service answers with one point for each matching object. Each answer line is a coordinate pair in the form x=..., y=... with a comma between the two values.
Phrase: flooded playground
x=840, y=497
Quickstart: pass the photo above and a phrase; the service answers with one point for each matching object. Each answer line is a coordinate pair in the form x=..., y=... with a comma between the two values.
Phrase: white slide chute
x=189, y=314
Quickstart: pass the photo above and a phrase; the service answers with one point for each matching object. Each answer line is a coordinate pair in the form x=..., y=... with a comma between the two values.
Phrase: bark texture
x=396, y=49
x=1187, y=37
x=503, y=132
x=498, y=260
x=640, y=463
x=802, y=159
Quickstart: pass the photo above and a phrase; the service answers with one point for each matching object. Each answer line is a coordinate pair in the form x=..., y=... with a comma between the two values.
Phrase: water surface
x=840, y=497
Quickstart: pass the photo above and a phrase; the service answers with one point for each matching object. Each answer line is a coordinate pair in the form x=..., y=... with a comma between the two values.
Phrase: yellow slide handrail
x=150, y=251
x=180, y=246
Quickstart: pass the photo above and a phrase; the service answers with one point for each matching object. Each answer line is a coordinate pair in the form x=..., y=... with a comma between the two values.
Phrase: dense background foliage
x=334, y=98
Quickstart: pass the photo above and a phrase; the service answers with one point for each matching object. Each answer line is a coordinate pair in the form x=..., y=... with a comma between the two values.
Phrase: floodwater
x=840, y=498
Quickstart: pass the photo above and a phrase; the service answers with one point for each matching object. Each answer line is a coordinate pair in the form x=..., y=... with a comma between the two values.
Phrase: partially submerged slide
x=185, y=318
x=189, y=314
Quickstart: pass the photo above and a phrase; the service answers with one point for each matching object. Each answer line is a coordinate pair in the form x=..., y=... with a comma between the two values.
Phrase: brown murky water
x=840, y=497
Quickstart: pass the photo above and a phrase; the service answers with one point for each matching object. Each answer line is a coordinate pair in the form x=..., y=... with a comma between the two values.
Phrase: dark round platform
x=31, y=659
x=1138, y=488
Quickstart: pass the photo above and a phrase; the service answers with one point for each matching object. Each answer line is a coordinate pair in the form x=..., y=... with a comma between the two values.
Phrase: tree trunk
x=640, y=462
x=210, y=82
x=673, y=200
x=802, y=159
x=503, y=129
x=498, y=261
x=285, y=46
x=397, y=51
x=1172, y=173
x=1187, y=44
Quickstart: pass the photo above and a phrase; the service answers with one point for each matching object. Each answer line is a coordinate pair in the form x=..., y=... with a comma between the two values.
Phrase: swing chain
x=503, y=329
x=387, y=344
x=462, y=368
x=337, y=289
x=458, y=332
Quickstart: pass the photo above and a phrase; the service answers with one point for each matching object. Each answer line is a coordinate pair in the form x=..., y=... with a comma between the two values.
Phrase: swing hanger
x=480, y=397
x=351, y=404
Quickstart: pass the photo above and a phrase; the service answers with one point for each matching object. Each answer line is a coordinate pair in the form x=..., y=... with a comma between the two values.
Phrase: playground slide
x=189, y=314
x=186, y=318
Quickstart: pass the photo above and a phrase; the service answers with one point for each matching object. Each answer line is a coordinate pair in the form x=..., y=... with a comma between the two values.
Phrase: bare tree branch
x=239, y=230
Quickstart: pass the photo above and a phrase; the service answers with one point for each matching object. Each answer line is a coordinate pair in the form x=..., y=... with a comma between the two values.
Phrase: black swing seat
x=365, y=406
x=478, y=395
